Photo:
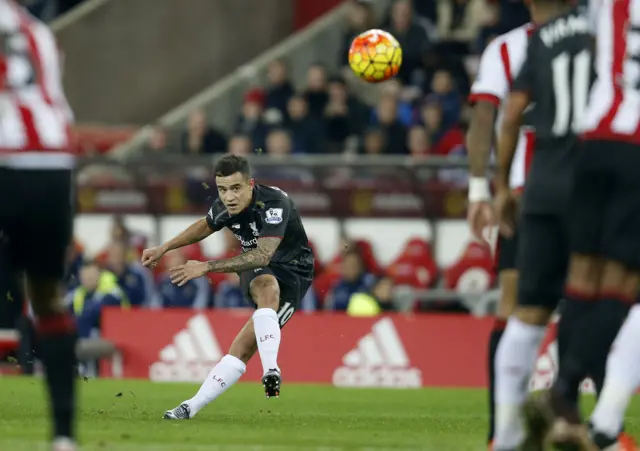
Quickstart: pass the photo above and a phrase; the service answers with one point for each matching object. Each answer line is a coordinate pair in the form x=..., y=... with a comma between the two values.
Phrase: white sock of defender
x=267, y=329
x=226, y=373
x=622, y=378
x=514, y=362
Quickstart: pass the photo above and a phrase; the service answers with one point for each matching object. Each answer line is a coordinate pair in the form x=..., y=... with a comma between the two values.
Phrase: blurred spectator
x=136, y=242
x=373, y=302
x=194, y=294
x=75, y=261
x=250, y=122
x=418, y=142
x=354, y=279
x=316, y=90
x=411, y=36
x=279, y=143
x=393, y=88
x=443, y=139
x=158, y=141
x=344, y=115
x=240, y=145
x=135, y=280
x=459, y=22
x=440, y=58
x=201, y=138
x=361, y=18
x=375, y=141
x=307, y=132
x=444, y=91
x=98, y=288
x=229, y=294
x=387, y=120
x=279, y=88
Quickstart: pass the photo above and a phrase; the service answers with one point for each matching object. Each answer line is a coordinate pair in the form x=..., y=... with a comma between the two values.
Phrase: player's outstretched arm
x=506, y=206
x=195, y=233
x=253, y=259
x=479, y=140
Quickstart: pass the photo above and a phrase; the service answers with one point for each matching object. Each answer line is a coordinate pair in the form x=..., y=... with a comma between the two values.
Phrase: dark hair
x=230, y=164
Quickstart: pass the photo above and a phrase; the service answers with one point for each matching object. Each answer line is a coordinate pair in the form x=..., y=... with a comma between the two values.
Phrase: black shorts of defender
x=293, y=282
x=506, y=251
x=542, y=259
x=36, y=219
x=605, y=203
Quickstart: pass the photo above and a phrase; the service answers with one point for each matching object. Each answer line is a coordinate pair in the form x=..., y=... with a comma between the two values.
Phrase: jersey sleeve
x=524, y=81
x=492, y=82
x=275, y=216
x=216, y=217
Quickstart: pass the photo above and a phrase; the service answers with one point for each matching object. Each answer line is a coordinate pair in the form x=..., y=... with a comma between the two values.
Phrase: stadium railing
x=319, y=42
x=340, y=187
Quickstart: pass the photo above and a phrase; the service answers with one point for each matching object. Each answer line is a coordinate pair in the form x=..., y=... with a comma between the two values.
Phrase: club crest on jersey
x=273, y=216
x=254, y=229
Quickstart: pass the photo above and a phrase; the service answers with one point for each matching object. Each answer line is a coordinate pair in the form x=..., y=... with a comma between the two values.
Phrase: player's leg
x=41, y=250
x=265, y=293
x=621, y=382
x=223, y=375
x=508, y=281
x=600, y=286
x=541, y=262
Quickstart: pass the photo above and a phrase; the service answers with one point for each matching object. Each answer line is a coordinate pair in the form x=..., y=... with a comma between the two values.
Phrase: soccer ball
x=375, y=56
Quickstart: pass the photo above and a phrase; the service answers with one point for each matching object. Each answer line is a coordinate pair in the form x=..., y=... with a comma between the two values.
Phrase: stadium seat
x=415, y=266
x=473, y=272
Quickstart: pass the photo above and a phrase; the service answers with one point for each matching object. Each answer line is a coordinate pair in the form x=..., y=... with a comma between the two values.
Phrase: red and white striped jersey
x=613, y=110
x=35, y=118
x=499, y=65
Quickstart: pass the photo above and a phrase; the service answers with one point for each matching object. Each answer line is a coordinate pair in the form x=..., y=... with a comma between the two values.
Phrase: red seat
x=474, y=270
x=415, y=266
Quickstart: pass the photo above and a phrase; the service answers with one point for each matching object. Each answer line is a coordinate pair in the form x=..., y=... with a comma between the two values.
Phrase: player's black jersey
x=271, y=213
x=557, y=74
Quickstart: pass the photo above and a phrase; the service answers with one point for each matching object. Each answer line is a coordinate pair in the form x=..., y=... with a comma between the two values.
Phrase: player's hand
x=480, y=216
x=151, y=256
x=506, y=205
x=182, y=274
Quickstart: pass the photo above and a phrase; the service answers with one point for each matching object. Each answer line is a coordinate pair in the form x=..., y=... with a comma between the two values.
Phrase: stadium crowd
x=420, y=113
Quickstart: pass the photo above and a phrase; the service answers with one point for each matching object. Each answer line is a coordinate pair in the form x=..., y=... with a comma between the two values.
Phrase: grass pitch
x=127, y=416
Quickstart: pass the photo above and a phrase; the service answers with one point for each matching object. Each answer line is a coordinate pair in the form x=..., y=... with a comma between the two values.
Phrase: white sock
x=267, y=329
x=514, y=362
x=622, y=378
x=226, y=373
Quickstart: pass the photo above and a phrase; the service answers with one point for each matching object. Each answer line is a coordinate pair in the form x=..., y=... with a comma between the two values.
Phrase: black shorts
x=36, y=219
x=506, y=252
x=605, y=202
x=542, y=259
x=293, y=283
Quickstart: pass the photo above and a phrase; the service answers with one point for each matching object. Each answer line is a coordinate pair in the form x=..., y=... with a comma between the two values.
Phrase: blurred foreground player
x=604, y=268
x=500, y=64
x=556, y=76
x=36, y=212
x=275, y=269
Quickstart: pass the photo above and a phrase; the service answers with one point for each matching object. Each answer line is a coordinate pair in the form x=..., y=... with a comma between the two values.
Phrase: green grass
x=126, y=416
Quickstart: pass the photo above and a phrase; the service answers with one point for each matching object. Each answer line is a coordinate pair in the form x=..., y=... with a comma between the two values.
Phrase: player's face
x=235, y=192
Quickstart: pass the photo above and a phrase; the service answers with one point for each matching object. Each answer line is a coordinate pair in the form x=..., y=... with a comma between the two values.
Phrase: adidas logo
x=379, y=360
x=191, y=356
